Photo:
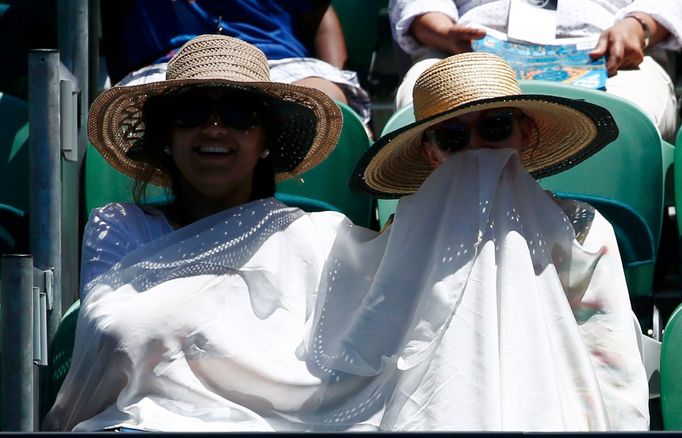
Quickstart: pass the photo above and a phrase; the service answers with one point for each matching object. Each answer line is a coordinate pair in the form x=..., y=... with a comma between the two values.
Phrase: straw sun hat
x=305, y=126
x=568, y=131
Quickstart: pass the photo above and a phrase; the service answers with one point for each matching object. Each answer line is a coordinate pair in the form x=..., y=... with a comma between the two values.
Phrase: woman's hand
x=624, y=42
x=437, y=30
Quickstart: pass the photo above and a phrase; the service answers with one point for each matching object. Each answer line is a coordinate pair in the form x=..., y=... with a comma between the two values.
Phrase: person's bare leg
x=327, y=87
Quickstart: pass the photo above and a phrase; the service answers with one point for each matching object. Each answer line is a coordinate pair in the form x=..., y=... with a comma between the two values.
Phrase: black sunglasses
x=452, y=136
x=235, y=110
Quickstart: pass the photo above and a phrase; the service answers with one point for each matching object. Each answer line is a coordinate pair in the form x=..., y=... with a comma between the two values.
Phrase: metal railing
x=33, y=287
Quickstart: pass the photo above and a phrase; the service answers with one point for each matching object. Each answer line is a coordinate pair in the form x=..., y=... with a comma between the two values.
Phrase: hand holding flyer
x=566, y=61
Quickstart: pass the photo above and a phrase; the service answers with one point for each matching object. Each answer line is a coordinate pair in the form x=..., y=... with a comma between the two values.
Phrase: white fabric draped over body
x=461, y=316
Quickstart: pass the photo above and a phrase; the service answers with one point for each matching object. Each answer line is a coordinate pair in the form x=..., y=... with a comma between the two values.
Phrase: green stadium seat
x=402, y=117
x=678, y=181
x=104, y=184
x=13, y=230
x=359, y=22
x=14, y=170
x=62, y=349
x=671, y=372
x=14, y=175
x=628, y=175
x=326, y=186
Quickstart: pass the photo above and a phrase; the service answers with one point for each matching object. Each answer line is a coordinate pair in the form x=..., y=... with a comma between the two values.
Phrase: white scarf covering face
x=456, y=318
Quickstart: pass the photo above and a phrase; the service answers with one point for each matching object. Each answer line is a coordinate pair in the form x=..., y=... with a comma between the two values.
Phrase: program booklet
x=567, y=61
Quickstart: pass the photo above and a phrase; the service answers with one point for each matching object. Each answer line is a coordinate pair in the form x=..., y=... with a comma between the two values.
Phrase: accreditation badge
x=534, y=21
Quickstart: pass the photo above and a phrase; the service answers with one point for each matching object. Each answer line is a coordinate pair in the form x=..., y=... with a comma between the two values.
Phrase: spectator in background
x=302, y=40
x=431, y=30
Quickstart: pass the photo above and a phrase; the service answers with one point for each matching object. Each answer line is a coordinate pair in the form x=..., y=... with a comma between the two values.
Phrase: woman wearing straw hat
x=171, y=294
x=217, y=133
x=493, y=271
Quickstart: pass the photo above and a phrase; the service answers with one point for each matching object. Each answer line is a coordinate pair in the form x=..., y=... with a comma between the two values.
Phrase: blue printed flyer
x=567, y=61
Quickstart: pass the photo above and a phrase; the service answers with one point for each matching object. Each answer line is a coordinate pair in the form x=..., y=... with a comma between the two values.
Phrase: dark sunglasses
x=452, y=136
x=235, y=110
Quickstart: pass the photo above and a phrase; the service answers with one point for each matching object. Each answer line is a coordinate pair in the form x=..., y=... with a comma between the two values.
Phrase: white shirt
x=576, y=18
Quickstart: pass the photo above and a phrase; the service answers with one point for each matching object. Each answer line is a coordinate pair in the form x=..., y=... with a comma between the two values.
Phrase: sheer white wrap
x=456, y=318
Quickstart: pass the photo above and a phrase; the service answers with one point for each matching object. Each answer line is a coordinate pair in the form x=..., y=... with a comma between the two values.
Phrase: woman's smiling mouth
x=214, y=150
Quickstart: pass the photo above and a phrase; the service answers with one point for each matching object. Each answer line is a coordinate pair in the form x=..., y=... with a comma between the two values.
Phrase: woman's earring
x=167, y=150
x=264, y=153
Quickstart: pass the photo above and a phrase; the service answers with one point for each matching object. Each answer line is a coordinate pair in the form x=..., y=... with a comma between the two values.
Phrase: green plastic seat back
x=14, y=231
x=14, y=168
x=678, y=181
x=14, y=175
x=671, y=372
x=104, y=184
x=627, y=175
x=400, y=118
x=624, y=181
x=626, y=222
x=62, y=349
x=325, y=187
x=359, y=22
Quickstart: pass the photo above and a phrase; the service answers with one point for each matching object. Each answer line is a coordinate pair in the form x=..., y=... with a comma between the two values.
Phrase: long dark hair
x=150, y=152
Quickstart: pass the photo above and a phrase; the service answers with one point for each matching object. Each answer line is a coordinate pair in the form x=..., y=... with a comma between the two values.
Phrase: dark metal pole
x=73, y=45
x=94, y=35
x=74, y=40
x=44, y=158
x=17, y=343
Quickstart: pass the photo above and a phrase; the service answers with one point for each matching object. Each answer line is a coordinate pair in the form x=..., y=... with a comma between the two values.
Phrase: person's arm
x=624, y=42
x=330, y=44
x=437, y=30
x=111, y=233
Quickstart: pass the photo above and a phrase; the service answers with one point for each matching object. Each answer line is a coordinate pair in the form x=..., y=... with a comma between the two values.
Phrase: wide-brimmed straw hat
x=568, y=130
x=304, y=123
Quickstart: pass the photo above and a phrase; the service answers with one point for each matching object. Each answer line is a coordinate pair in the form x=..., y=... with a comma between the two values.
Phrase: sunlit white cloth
x=456, y=318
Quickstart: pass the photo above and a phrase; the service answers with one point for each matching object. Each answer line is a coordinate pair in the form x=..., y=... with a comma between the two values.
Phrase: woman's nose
x=475, y=140
x=214, y=122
